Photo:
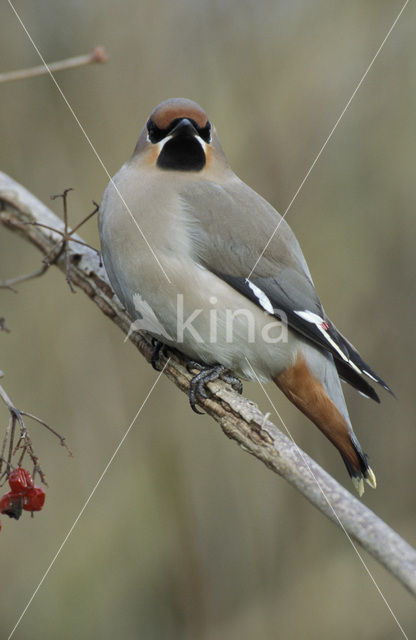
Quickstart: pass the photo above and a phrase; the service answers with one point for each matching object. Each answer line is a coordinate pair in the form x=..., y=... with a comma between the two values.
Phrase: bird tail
x=308, y=394
x=365, y=471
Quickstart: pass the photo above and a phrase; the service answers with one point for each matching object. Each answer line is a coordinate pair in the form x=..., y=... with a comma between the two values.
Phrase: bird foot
x=208, y=373
x=158, y=349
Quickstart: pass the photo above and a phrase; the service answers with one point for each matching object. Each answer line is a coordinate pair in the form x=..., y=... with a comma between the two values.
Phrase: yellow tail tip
x=358, y=485
x=370, y=478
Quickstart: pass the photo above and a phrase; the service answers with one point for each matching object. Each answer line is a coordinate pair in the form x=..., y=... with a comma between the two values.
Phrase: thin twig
x=97, y=55
x=62, y=234
x=8, y=284
x=3, y=448
x=61, y=439
x=58, y=248
x=24, y=443
x=64, y=247
x=239, y=418
x=90, y=215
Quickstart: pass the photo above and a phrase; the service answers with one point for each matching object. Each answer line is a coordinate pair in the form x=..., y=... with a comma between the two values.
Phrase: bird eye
x=205, y=132
x=155, y=134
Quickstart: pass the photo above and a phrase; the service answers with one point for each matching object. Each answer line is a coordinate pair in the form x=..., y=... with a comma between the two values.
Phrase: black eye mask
x=156, y=134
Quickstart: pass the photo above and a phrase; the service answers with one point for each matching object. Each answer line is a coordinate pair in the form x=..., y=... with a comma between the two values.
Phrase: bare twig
x=240, y=419
x=24, y=444
x=97, y=55
x=53, y=255
x=60, y=247
x=61, y=439
x=8, y=284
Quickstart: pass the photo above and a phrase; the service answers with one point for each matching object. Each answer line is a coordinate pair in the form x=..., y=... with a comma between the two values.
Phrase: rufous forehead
x=162, y=116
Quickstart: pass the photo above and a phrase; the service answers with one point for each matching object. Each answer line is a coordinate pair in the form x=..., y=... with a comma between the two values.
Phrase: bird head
x=178, y=137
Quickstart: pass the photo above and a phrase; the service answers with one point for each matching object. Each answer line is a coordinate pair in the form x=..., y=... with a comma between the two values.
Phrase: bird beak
x=184, y=128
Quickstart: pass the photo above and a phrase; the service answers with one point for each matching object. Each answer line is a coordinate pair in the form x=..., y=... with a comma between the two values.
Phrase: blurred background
x=187, y=536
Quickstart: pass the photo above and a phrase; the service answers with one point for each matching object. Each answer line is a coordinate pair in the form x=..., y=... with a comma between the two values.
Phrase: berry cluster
x=23, y=495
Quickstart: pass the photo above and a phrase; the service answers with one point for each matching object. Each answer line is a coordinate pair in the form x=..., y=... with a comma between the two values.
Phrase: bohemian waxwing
x=193, y=254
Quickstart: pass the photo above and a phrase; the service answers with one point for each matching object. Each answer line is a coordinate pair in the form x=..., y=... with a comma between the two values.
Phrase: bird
x=208, y=267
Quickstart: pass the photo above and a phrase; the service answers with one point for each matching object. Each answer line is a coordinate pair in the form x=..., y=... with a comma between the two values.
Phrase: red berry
x=11, y=504
x=34, y=499
x=20, y=480
x=5, y=502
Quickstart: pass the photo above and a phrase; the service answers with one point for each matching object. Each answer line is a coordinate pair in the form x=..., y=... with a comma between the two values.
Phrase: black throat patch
x=182, y=153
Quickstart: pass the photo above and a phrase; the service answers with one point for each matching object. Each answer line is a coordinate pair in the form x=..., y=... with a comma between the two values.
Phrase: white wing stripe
x=333, y=343
x=263, y=300
x=319, y=322
x=370, y=376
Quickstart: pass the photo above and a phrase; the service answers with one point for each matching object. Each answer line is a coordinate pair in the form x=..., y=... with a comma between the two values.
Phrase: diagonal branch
x=240, y=419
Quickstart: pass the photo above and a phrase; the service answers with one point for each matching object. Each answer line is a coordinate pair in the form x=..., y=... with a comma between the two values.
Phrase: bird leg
x=208, y=373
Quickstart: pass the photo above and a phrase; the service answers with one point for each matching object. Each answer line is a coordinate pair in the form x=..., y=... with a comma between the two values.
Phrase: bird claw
x=158, y=349
x=193, y=365
x=197, y=385
x=233, y=381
